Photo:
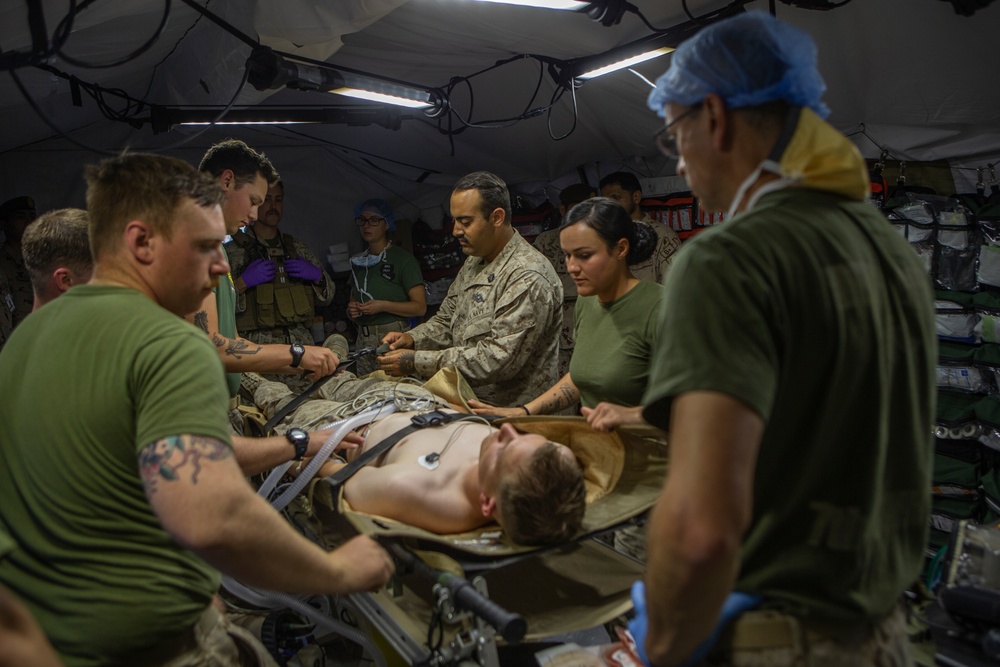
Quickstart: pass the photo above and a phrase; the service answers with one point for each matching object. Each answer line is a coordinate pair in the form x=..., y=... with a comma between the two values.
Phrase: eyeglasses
x=666, y=142
x=371, y=222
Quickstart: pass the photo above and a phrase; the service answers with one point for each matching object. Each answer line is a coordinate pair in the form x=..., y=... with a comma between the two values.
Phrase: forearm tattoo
x=201, y=320
x=558, y=399
x=238, y=348
x=169, y=459
x=407, y=363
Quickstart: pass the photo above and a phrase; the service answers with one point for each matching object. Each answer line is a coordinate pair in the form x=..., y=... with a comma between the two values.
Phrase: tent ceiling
x=918, y=78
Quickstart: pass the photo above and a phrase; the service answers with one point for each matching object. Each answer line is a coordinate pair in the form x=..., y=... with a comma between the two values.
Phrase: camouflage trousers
x=296, y=333
x=341, y=397
x=214, y=641
x=773, y=639
x=371, y=335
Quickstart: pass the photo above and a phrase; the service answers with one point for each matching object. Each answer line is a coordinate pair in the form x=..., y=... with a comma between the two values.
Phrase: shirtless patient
x=459, y=476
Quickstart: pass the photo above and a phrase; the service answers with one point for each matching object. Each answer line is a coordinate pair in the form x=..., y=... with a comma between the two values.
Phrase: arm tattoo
x=238, y=348
x=169, y=458
x=560, y=398
x=407, y=363
x=201, y=320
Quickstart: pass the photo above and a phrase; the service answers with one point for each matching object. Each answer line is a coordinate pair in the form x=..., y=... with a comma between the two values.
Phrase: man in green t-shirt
x=24, y=644
x=125, y=500
x=244, y=176
x=795, y=375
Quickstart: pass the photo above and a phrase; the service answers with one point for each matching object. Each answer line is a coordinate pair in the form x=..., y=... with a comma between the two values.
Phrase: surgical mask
x=365, y=261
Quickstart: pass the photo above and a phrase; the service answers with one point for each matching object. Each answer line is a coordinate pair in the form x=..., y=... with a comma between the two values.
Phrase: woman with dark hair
x=388, y=288
x=616, y=323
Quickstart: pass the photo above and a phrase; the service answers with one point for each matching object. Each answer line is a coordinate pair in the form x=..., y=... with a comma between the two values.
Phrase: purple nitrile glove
x=303, y=269
x=259, y=271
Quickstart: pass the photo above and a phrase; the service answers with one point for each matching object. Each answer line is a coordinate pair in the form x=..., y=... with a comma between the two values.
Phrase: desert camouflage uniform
x=652, y=269
x=6, y=310
x=655, y=268
x=339, y=398
x=18, y=280
x=299, y=332
x=498, y=326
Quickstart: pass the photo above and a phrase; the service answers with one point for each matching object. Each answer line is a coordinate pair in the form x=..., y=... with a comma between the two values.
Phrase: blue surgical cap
x=747, y=60
x=379, y=206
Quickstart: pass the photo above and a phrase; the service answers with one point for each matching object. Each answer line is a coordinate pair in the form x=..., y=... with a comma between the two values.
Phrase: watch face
x=300, y=440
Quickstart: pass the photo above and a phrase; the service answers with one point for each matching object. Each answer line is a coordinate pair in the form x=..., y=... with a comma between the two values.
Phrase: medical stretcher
x=472, y=597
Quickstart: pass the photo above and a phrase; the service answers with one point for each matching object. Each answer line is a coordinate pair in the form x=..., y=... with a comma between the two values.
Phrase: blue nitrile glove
x=303, y=269
x=736, y=603
x=639, y=625
x=259, y=271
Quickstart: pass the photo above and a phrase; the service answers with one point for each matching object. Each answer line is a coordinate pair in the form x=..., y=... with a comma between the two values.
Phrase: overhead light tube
x=572, y=5
x=625, y=62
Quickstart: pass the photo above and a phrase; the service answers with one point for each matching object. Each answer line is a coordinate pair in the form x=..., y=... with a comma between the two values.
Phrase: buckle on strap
x=434, y=418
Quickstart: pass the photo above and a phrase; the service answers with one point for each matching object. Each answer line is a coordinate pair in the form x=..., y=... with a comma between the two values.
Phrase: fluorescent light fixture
x=372, y=96
x=270, y=70
x=544, y=4
x=163, y=118
x=627, y=62
x=247, y=122
x=376, y=90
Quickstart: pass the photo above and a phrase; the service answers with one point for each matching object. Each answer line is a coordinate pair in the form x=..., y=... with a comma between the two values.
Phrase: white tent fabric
x=911, y=75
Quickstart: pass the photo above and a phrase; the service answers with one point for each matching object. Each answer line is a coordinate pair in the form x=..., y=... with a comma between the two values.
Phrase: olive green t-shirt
x=225, y=306
x=614, y=343
x=389, y=280
x=88, y=381
x=815, y=313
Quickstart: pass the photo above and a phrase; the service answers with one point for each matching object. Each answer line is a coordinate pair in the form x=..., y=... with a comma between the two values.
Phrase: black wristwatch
x=297, y=352
x=299, y=440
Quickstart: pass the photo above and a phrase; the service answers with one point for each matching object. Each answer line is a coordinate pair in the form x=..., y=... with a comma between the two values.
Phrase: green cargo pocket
x=300, y=301
x=265, y=305
x=285, y=305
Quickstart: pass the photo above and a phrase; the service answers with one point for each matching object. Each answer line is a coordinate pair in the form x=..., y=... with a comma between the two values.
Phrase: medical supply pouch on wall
x=957, y=369
x=988, y=272
x=955, y=409
x=915, y=222
x=958, y=251
x=956, y=317
x=987, y=411
x=958, y=465
x=987, y=359
x=987, y=305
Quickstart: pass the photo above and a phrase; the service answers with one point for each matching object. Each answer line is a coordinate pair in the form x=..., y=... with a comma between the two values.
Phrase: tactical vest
x=280, y=303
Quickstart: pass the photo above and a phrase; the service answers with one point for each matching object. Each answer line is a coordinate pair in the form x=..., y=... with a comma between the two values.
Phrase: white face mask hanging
x=365, y=261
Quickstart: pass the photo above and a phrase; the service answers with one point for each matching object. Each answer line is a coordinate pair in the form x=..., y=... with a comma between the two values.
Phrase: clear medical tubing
x=341, y=429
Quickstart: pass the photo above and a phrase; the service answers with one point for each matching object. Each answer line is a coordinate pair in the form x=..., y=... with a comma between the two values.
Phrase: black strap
x=303, y=397
x=417, y=422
